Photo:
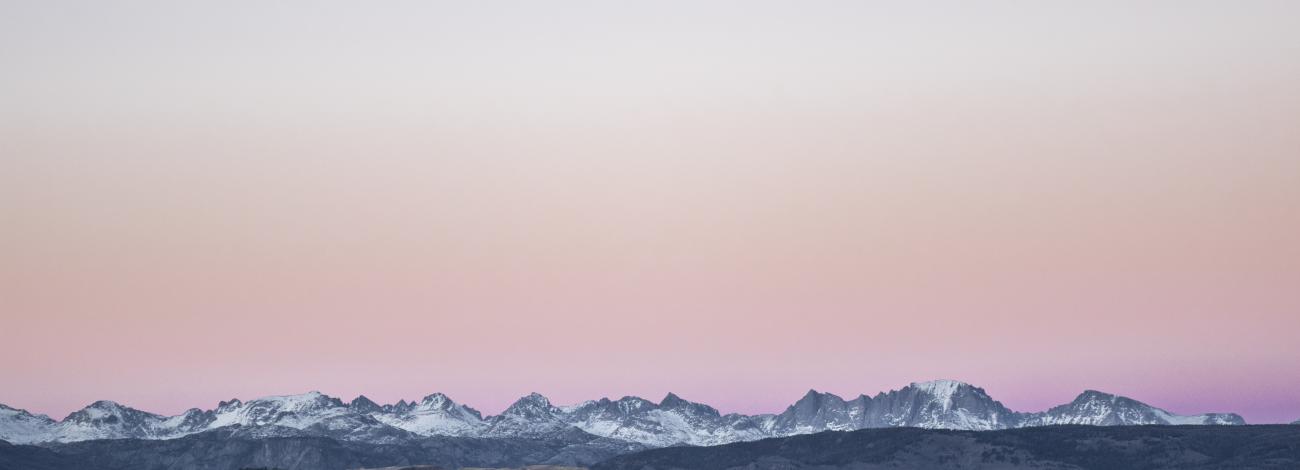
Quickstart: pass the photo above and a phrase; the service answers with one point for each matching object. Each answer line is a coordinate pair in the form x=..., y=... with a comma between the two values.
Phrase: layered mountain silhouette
x=629, y=422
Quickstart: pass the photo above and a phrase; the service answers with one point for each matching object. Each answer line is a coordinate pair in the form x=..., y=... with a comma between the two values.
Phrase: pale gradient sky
x=734, y=201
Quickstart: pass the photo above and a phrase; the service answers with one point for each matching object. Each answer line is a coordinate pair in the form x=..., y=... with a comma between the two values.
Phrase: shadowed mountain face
x=1054, y=447
x=940, y=404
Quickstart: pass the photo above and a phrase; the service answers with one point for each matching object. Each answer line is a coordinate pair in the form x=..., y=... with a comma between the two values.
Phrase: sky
x=735, y=201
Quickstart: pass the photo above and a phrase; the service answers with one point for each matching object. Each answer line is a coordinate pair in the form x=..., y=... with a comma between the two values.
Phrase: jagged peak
x=537, y=397
x=941, y=387
x=438, y=397
x=106, y=405
x=105, y=409
x=814, y=396
x=21, y=412
x=603, y=402
x=531, y=406
x=361, y=402
x=402, y=406
x=633, y=403
x=532, y=400
x=1091, y=394
x=439, y=401
x=626, y=404
x=947, y=394
x=813, y=400
x=626, y=400
x=946, y=390
x=1094, y=398
x=312, y=399
x=672, y=401
x=102, y=406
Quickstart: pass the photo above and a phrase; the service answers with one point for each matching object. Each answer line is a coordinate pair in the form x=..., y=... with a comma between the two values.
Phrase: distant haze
x=734, y=201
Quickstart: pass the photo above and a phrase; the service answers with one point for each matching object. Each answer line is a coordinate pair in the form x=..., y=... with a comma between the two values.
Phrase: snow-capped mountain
x=817, y=412
x=109, y=420
x=673, y=421
x=21, y=427
x=313, y=412
x=941, y=404
x=435, y=415
x=532, y=416
x=1103, y=409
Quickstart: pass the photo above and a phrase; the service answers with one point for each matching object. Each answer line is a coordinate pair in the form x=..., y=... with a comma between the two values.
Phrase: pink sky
x=735, y=202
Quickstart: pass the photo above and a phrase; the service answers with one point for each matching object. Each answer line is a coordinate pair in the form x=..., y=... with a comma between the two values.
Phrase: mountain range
x=627, y=423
